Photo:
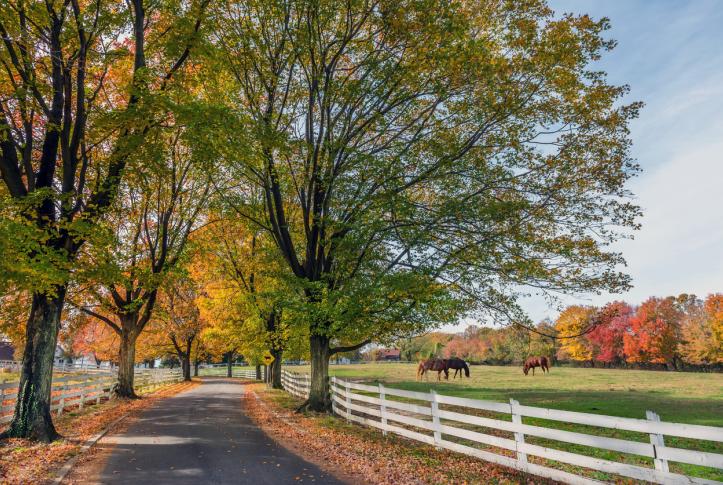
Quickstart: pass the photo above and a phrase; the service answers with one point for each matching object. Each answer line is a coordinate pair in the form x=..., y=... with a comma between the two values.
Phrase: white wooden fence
x=76, y=390
x=65, y=367
x=237, y=370
x=454, y=423
x=295, y=383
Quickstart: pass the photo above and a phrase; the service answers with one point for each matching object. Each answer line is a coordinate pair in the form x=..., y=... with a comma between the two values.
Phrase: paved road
x=203, y=436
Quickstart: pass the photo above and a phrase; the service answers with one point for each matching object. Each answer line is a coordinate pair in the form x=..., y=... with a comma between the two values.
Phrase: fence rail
x=241, y=371
x=85, y=367
x=295, y=383
x=77, y=390
x=447, y=422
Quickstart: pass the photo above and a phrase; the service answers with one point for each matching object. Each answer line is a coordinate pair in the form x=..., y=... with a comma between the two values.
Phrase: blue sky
x=671, y=55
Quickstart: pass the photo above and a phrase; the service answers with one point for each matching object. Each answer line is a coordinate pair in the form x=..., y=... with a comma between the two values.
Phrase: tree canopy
x=305, y=176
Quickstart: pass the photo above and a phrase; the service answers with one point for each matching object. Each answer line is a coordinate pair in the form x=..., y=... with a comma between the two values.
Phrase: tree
x=180, y=320
x=241, y=260
x=466, y=348
x=543, y=341
x=572, y=325
x=61, y=158
x=93, y=337
x=654, y=332
x=607, y=337
x=421, y=160
x=702, y=332
x=159, y=207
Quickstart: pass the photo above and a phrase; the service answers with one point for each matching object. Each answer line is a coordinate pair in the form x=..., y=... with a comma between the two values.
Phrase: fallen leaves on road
x=23, y=461
x=366, y=455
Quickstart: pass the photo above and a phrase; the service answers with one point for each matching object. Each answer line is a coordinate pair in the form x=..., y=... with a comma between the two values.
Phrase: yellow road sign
x=268, y=358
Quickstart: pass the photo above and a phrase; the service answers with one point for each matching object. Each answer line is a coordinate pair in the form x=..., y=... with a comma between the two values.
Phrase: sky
x=671, y=55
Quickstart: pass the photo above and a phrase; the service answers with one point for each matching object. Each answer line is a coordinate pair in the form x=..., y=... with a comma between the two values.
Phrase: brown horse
x=458, y=365
x=433, y=364
x=533, y=362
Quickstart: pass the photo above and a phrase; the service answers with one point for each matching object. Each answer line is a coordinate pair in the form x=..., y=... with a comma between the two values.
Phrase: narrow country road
x=203, y=436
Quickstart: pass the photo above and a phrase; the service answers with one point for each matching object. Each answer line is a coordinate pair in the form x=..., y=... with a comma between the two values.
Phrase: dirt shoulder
x=365, y=455
x=23, y=461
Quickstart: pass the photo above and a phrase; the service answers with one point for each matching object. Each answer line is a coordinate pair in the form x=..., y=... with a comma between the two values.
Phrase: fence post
x=82, y=395
x=435, y=418
x=383, y=408
x=657, y=440
x=348, y=400
x=332, y=386
x=519, y=437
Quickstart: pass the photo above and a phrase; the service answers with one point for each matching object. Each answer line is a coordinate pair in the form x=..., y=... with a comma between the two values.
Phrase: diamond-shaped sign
x=267, y=358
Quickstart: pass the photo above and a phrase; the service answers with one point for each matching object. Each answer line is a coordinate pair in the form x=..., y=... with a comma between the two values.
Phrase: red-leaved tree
x=607, y=337
x=654, y=332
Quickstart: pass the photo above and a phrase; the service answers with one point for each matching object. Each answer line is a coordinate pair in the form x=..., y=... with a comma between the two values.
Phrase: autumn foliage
x=670, y=332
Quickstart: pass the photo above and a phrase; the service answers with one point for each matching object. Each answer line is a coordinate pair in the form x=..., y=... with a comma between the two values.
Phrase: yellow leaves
x=571, y=322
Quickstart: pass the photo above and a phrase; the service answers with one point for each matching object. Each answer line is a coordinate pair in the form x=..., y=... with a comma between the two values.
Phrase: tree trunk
x=195, y=368
x=126, y=365
x=319, y=393
x=186, y=367
x=275, y=368
x=32, y=409
x=229, y=368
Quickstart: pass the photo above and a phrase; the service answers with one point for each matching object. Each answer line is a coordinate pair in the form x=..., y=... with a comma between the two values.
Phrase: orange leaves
x=362, y=455
x=654, y=332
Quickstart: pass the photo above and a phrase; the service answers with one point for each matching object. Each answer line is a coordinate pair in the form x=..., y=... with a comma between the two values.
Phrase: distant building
x=389, y=354
x=6, y=350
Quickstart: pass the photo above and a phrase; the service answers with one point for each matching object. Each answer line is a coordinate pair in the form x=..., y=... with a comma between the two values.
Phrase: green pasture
x=694, y=398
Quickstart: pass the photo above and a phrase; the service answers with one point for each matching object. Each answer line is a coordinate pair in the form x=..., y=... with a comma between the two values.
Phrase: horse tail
x=466, y=369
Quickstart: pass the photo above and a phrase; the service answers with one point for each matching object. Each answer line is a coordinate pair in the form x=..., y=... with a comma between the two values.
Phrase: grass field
x=695, y=398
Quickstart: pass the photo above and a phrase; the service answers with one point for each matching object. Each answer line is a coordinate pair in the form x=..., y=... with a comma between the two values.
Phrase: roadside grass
x=694, y=398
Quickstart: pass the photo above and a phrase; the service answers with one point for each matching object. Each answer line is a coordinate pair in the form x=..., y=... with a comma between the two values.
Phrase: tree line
x=675, y=332
x=296, y=176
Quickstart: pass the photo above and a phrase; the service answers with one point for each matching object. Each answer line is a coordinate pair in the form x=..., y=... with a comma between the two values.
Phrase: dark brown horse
x=458, y=365
x=533, y=362
x=432, y=364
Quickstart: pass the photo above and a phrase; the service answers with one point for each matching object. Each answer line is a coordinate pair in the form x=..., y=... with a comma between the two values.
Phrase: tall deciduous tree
x=179, y=320
x=606, y=339
x=59, y=169
x=411, y=152
x=702, y=332
x=655, y=332
x=158, y=209
x=240, y=262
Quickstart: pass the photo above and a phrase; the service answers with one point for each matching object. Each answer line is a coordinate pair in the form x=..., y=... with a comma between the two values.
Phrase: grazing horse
x=533, y=362
x=458, y=365
x=433, y=364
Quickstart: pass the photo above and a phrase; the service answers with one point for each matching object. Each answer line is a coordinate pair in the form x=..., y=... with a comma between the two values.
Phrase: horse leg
x=533, y=370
